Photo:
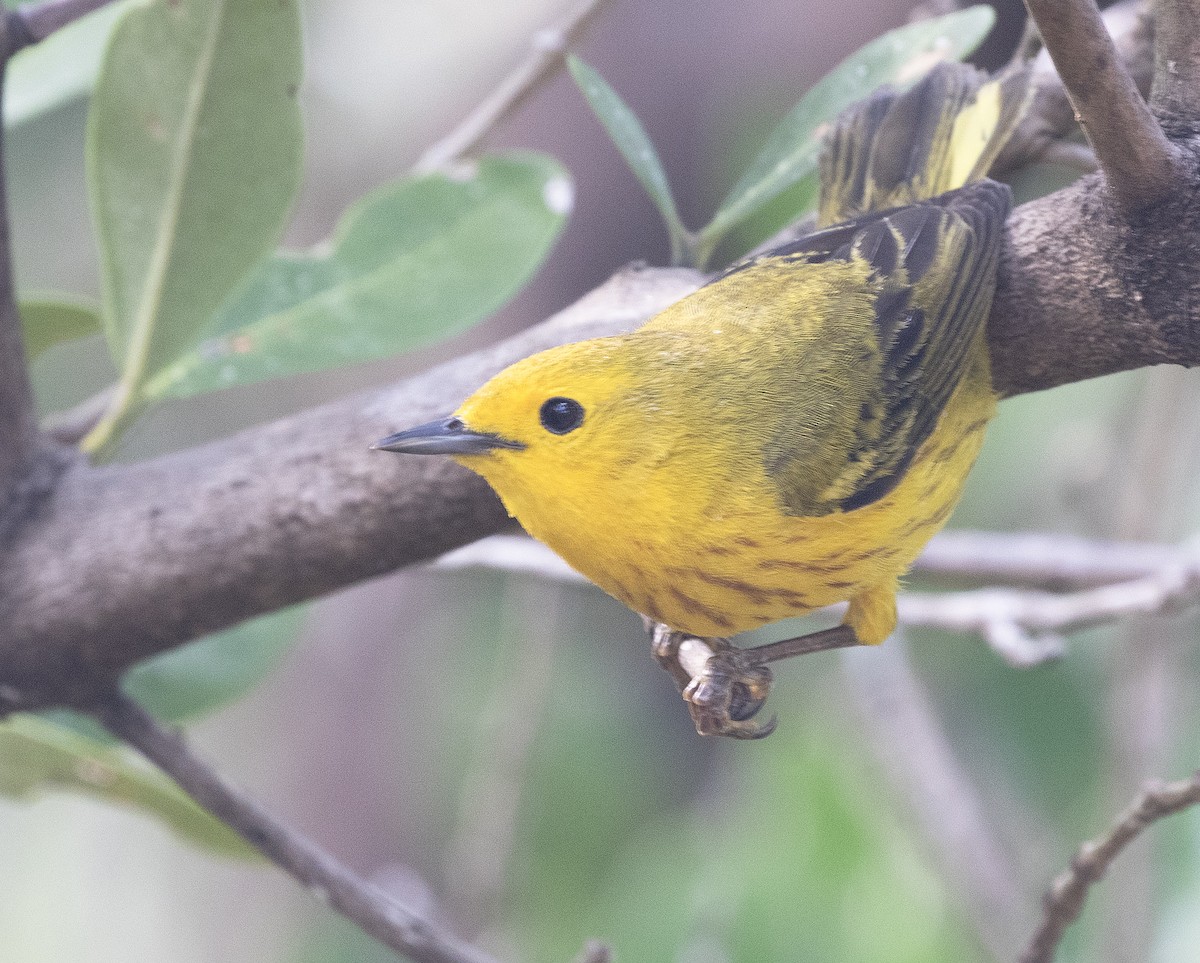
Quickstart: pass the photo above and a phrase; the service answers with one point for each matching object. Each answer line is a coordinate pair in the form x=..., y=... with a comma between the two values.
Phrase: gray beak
x=446, y=436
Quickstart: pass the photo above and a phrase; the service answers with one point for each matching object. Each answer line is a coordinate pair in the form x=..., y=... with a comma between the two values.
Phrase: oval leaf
x=194, y=151
x=36, y=754
x=412, y=263
x=899, y=57
x=47, y=323
x=631, y=140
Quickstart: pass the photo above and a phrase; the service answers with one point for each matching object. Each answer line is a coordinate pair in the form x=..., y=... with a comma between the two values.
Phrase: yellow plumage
x=792, y=434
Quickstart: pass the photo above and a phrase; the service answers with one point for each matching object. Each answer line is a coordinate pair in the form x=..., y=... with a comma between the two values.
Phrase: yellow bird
x=790, y=435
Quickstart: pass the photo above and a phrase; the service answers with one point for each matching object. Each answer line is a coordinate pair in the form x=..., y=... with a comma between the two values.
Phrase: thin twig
x=1050, y=560
x=39, y=20
x=1066, y=896
x=1023, y=626
x=372, y=910
x=1176, y=88
x=1036, y=559
x=548, y=48
x=1142, y=167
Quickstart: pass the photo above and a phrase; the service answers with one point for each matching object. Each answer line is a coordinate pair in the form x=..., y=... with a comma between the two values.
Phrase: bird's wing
x=933, y=265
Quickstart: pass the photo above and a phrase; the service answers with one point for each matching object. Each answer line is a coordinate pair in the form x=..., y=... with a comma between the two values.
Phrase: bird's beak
x=446, y=436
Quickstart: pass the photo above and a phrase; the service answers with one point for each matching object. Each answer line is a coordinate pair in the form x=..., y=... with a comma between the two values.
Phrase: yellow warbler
x=793, y=433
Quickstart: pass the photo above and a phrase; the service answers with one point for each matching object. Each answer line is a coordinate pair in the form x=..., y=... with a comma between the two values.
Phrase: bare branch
x=1024, y=627
x=1141, y=166
x=38, y=20
x=18, y=428
x=1052, y=116
x=1176, y=90
x=1044, y=559
x=389, y=922
x=1065, y=899
x=549, y=46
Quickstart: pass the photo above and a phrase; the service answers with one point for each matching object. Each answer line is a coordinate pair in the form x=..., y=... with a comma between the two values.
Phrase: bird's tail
x=896, y=148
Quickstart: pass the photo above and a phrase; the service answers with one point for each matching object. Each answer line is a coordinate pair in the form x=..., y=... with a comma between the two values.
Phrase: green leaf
x=59, y=68
x=631, y=140
x=47, y=323
x=36, y=755
x=413, y=262
x=791, y=153
x=194, y=151
x=204, y=675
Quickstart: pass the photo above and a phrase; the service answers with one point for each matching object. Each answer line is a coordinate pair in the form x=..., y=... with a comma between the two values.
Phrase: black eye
x=561, y=415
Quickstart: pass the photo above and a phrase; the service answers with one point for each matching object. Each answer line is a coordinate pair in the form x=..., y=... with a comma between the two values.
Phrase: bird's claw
x=724, y=687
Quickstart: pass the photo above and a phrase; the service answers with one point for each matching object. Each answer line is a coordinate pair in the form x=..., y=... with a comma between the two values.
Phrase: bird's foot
x=723, y=689
x=724, y=686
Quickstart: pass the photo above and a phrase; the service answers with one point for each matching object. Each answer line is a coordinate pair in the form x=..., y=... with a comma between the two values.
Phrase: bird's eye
x=561, y=415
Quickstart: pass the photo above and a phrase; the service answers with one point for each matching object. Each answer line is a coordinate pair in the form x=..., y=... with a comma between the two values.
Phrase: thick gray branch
x=125, y=561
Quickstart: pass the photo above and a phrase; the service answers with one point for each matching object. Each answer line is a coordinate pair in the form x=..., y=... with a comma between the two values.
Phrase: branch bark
x=1064, y=901
x=128, y=560
x=18, y=425
x=549, y=46
x=1142, y=167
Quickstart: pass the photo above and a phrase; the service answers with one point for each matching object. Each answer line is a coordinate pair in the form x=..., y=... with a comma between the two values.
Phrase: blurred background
x=502, y=752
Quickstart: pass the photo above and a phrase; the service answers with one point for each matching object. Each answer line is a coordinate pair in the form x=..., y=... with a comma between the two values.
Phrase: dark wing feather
x=934, y=267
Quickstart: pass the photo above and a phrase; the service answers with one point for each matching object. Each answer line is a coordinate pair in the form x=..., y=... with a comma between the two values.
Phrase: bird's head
x=551, y=426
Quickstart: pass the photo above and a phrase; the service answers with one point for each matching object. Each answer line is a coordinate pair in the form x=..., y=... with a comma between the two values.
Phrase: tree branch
x=1023, y=627
x=1141, y=165
x=1065, y=899
x=38, y=20
x=369, y=908
x=196, y=541
x=1176, y=90
x=549, y=46
x=18, y=425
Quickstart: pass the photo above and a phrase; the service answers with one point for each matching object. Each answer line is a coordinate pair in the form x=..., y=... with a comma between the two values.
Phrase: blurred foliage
x=787, y=163
x=415, y=261
x=36, y=754
x=47, y=323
